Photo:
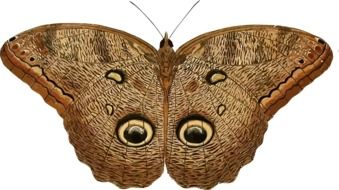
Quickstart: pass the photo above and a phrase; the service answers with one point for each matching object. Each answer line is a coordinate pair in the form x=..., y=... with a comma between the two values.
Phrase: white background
x=301, y=146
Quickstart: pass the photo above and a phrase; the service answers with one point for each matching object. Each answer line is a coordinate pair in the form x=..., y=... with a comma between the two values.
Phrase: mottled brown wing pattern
x=235, y=78
x=117, y=95
x=272, y=63
x=96, y=77
x=238, y=125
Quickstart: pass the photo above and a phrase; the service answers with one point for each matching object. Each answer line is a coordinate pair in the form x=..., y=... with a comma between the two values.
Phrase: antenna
x=184, y=18
x=147, y=18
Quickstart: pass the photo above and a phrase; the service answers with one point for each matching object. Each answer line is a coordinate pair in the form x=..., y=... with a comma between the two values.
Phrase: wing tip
x=33, y=77
x=299, y=79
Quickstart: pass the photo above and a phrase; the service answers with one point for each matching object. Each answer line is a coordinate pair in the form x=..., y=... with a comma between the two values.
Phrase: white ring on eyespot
x=206, y=126
x=135, y=122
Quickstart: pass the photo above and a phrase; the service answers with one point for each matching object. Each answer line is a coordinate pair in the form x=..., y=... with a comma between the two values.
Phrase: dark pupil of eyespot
x=135, y=134
x=195, y=134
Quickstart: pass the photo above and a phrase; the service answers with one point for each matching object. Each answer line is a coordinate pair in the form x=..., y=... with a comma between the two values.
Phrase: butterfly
x=130, y=109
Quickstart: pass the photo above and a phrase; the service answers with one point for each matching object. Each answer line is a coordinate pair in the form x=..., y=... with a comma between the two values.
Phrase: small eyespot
x=32, y=59
x=124, y=46
x=215, y=76
x=12, y=38
x=135, y=131
x=321, y=41
x=310, y=55
x=15, y=46
x=318, y=48
x=23, y=52
x=109, y=109
x=194, y=131
x=301, y=61
x=117, y=75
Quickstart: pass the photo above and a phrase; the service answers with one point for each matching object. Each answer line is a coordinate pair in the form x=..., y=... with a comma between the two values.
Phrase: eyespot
x=117, y=75
x=311, y=55
x=135, y=131
x=318, y=48
x=15, y=47
x=321, y=41
x=215, y=76
x=24, y=52
x=12, y=38
x=195, y=131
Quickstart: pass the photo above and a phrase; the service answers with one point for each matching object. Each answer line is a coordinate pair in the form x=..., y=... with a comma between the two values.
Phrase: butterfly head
x=165, y=42
x=166, y=51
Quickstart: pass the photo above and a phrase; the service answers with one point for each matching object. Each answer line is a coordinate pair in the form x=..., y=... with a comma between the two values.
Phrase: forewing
x=271, y=63
x=97, y=78
x=236, y=79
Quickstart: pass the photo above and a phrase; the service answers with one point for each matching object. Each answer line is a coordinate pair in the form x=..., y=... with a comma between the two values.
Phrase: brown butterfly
x=201, y=110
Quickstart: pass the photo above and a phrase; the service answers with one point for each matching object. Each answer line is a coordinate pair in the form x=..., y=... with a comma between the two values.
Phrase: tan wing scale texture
x=128, y=108
x=95, y=76
x=236, y=78
x=272, y=63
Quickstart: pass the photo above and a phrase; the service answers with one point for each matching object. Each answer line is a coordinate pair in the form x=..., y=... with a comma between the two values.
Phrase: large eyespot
x=135, y=131
x=195, y=131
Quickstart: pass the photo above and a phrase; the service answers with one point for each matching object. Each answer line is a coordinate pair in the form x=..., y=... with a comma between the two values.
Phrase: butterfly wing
x=229, y=84
x=99, y=80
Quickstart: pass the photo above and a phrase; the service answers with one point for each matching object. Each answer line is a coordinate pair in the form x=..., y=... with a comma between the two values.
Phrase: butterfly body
x=202, y=110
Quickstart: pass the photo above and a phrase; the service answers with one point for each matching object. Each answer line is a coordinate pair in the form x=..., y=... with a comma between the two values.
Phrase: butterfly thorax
x=167, y=61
